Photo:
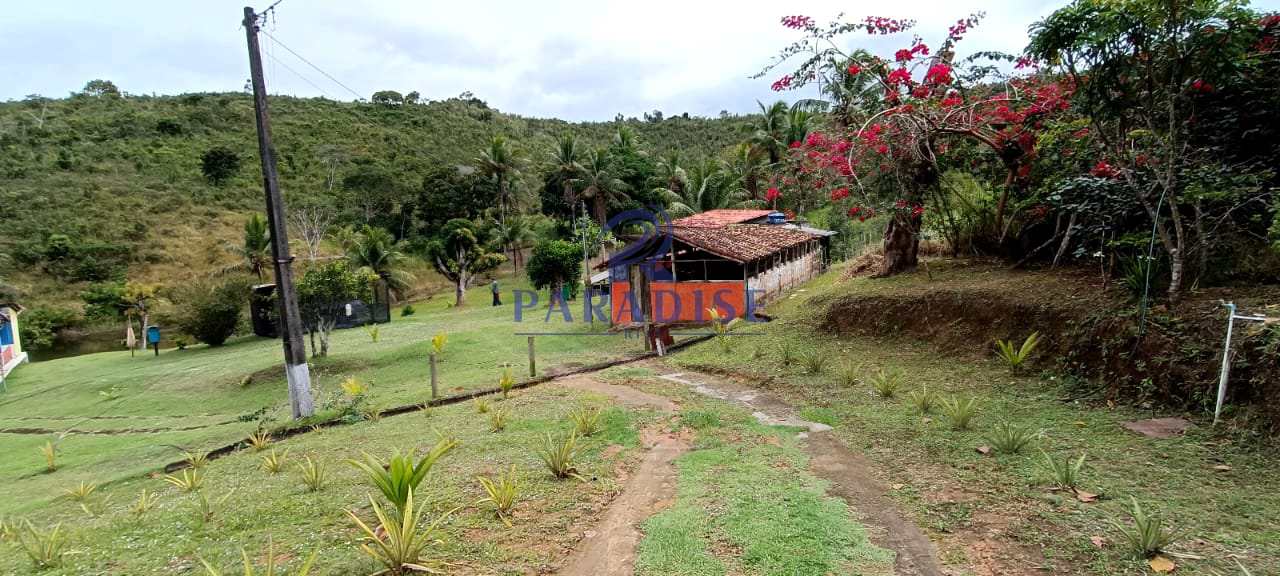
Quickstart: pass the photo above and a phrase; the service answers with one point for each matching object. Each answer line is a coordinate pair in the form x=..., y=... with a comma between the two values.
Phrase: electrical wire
x=299, y=75
x=313, y=66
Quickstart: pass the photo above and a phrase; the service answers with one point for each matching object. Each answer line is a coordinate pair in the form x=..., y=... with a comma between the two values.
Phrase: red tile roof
x=741, y=242
x=723, y=217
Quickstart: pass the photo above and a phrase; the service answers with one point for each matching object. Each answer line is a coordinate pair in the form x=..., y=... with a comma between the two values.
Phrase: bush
x=407, y=310
x=210, y=313
x=40, y=327
x=219, y=165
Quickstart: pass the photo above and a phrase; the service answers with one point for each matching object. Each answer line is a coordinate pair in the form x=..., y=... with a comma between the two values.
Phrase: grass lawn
x=963, y=497
x=115, y=417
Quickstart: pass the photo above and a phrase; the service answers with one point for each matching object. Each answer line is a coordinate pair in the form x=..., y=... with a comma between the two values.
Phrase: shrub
x=273, y=463
x=219, y=164
x=722, y=328
x=437, y=343
x=923, y=400
x=400, y=476
x=586, y=421
x=1010, y=439
x=960, y=412
x=482, y=405
x=502, y=493
x=41, y=327
x=211, y=312
x=44, y=548
x=397, y=543
x=313, y=473
x=786, y=354
x=190, y=480
x=815, y=362
x=82, y=492
x=559, y=454
x=205, y=508
x=408, y=310
x=1148, y=535
x=850, y=374
x=373, y=332
x=1015, y=357
x=1064, y=473
x=886, y=382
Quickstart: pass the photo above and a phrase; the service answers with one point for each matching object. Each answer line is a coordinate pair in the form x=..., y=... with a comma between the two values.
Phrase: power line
x=298, y=74
x=313, y=66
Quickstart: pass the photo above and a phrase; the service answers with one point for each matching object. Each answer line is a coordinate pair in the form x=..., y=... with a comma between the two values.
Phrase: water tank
x=777, y=218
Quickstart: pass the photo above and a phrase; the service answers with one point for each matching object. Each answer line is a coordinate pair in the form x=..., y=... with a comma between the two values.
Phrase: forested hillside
x=100, y=186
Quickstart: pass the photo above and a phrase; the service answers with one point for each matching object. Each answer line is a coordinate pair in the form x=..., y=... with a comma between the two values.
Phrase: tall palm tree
x=770, y=130
x=255, y=252
x=599, y=185
x=798, y=120
x=513, y=235
x=853, y=96
x=745, y=164
x=710, y=186
x=670, y=171
x=499, y=162
x=565, y=164
x=376, y=250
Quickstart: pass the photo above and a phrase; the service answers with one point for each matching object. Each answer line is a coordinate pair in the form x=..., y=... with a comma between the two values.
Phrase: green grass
x=747, y=504
x=950, y=488
x=160, y=397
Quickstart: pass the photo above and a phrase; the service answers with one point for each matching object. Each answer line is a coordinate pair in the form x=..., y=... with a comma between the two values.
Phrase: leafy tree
x=448, y=193
x=500, y=163
x=219, y=164
x=459, y=253
x=555, y=263
x=412, y=97
x=210, y=312
x=99, y=88
x=42, y=327
x=374, y=189
x=104, y=301
x=387, y=98
x=254, y=252
x=374, y=250
x=323, y=294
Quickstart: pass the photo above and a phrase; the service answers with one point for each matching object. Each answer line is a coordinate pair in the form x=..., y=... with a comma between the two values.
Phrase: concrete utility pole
x=295, y=354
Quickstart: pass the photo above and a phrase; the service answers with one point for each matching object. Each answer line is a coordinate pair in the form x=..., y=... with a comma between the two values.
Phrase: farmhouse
x=11, y=354
x=732, y=260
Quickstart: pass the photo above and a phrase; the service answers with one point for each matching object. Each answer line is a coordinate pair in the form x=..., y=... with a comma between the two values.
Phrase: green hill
x=118, y=181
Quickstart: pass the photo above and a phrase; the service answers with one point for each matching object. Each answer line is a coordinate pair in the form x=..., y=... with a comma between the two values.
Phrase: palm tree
x=710, y=187
x=771, y=130
x=376, y=250
x=599, y=185
x=255, y=252
x=798, y=119
x=565, y=165
x=853, y=95
x=744, y=166
x=513, y=235
x=499, y=162
x=670, y=172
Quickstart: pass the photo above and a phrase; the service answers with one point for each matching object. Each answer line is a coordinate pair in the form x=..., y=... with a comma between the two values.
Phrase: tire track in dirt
x=609, y=548
x=846, y=470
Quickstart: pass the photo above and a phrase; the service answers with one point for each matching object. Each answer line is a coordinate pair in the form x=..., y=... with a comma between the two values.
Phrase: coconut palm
x=513, y=235
x=770, y=130
x=710, y=187
x=376, y=250
x=500, y=163
x=853, y=96
x=565, y=164
x=255, y=252
x=599, y=185
x=744, y=166
x=671, y=173
x=798, y=120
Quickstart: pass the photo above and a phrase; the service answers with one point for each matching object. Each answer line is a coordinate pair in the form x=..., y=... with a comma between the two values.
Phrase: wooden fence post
x=434, y=391
x=533, y=364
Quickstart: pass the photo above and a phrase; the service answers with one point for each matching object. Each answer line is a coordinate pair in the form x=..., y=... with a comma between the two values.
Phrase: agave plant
x=1015, y=357
x=398, y=543
x=502, y=493
x=815, y=362
x=196, y=460
x=146, y=501
x=206, y=509
x=1148, y=535
x=497, y=420
x=886, y=382
x=82, y=492
x=506, y=382
x=399, y=476
x=482, y=405
x=50, y=452
x=923, y=400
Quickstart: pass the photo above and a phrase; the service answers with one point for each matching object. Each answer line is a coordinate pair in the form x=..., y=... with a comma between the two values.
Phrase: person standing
x=493, y=287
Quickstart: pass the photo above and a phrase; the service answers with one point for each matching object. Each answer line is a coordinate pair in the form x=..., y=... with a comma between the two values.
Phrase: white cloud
x=574, y=59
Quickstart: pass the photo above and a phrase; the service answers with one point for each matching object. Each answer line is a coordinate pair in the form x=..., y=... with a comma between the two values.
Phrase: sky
x=572, y=59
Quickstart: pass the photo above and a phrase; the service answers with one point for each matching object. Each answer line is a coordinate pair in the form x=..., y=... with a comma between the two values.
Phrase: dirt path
x=831, y=460
x=609, y=548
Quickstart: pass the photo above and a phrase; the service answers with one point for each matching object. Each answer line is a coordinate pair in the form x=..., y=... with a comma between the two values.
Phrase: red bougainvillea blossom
x=797, y=22
x=1104, y=169
x=772, y=195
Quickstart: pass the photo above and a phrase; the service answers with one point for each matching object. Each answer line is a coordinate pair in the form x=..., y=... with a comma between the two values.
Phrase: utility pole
x=295, y=354
x=586, y=265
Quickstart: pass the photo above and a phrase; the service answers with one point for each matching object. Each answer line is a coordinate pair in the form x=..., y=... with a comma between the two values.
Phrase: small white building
x=11, y=354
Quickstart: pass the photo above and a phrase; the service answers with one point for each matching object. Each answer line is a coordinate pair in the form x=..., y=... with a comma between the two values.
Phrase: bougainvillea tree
x=896, y=117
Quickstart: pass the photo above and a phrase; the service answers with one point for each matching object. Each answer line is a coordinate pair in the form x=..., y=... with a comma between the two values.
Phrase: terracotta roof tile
x=717, y=218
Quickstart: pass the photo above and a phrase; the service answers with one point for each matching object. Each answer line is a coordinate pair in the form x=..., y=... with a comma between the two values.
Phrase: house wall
x=774, y=281
x=11, y=353
x=680, y=301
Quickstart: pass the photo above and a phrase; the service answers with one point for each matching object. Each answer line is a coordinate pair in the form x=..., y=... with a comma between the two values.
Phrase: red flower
x=1202, y=86
x=794, y=145
x=797, y=22
x=854, y=211
x=854, y=69
x=882, y=149
x=902, y=55
x=782, y=83
x=938, y=74
x=899, y=76
x=1104, y=170
x=772, y=195
x=916, y=211
x=952, y=100
x=839, y=194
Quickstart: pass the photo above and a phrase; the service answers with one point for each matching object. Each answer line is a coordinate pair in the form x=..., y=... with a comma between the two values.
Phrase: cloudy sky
x=572, y=59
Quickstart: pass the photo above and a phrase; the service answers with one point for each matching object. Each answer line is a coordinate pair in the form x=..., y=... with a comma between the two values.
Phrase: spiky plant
x=190, y=480
x=506, y=382
x=559, y=454
x=1064, y=473
x=786, y=354
x=886, y=382
x=373, y=332
x=960, y=411
x=398, y=543
x=1147, y=536
x=815, y=362
x=273, y=463
x=401, y=475
x=196, y=460
x=259, y=440
x=371, y=414
x=1015, y=357
x=44, y=548
x=82, y=491
x=303, y=570
x=205, y=509
x=313, y=473
x=8, y=529
x=50, y=452
x=502, y=493
x=437, y=343
x=923, y=400
x=482, y=405
x=498, y=420
x=1008, y=438
x=586, y=421
x=145, y=502
x=850, y=375
x=353, y=387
